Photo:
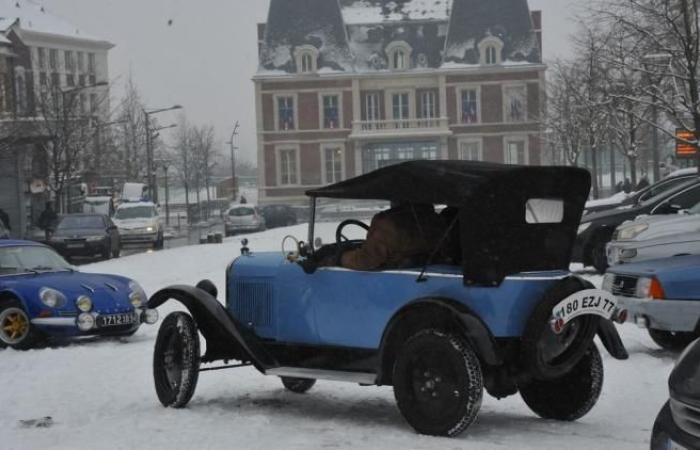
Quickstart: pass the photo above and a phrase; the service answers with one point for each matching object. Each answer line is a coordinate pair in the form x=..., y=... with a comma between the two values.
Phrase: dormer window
x=399, y=54
x=306, y=58
x=490, y=49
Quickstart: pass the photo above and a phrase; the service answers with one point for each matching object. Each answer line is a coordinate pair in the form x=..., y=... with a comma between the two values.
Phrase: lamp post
x=651, y=63
x=165, y=164
x=233, y=161
x=152, y=189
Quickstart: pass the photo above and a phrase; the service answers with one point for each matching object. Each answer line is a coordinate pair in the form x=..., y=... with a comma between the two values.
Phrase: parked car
x=4, y=232
x=139, y=223
x=279, y=216
x=662, y=296
x=596, y=230
x=635, y=198
x=243, y=218
x=677, y=426
x=86, y=235
x=656, y=237
x=508, y=317
x=42, y=296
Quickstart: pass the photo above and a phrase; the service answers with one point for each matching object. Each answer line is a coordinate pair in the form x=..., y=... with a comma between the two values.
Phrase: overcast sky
x=206, y=58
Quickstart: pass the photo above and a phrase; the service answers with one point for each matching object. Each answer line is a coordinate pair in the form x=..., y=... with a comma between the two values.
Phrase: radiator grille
x=625, y=286
x=686, y=417
x=252, y=302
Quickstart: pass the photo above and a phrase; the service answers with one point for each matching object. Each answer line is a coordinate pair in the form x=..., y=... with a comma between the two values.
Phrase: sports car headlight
x=84, y=303
x=52, y=298
x=583, y=227
x=631, y=232
x=137, y=296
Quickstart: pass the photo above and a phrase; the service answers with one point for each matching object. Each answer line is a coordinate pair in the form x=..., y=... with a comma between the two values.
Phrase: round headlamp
x=85, y=322
x=84, y=303
x=52, y=298
x=137, y=296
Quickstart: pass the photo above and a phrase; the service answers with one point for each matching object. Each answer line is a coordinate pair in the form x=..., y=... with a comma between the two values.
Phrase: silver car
x=243, y=218
x=655, y=237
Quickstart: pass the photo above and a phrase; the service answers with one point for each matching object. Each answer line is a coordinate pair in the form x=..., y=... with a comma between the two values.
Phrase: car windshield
x=665, y=193
x=136, y=212
x=240, y=212
x=660, y=188
x=23, y=259
x=78, y=222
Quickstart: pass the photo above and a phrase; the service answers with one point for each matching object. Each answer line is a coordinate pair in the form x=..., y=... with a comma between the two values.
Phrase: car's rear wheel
x=176, y=360
x=672, y=340
x=16, y=330
x=571, y=396
x=438, y=383
x=117, y=251
x=298, y=385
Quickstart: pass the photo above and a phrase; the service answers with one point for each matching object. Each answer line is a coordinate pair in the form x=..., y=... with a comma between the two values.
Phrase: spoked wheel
x=298, y=385
x=16, y=331
x=672, y=340
x=176, y=360
x=438, y=383
x=571, y=396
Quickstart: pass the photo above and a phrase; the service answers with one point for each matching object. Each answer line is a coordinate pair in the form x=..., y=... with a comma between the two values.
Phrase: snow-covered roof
x=33, y=16
x=378, y=11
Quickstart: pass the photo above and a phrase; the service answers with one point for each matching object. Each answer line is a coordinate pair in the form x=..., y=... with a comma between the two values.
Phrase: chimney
x=537, y=28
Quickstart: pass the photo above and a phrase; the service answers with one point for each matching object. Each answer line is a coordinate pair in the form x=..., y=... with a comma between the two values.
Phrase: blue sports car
x=42, y=296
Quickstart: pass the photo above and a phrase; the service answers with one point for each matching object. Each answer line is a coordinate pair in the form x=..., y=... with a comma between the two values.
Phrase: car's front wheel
x=571, y=396
x=672, y=340
x=298, y=385
x=176, y=360
x=438, y=383
x=16, y=330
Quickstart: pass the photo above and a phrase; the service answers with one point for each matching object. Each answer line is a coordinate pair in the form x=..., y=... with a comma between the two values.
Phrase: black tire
x=571, y=396
x=671, y=340
x=26, y=336
x=116, y=253
x=438, y=383
x=298, y=385
x=176, y=360
x=107, y=251
x=599, y=256
x=160, y=242
x=546, y=355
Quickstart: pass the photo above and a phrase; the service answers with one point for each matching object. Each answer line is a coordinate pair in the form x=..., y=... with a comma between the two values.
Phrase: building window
x=53, y=59
x=399, y=54
x=400, y=107
x=83, y=103
x=41, y=56
x=491, y=58
x=428, y=107
x=515, y=98
x=399, y=60
x=470, y=106
x=376, y=156
x=516, y=151
x=70, y=61
x=288, y=170
x=43, y=79
x=307, y=64
x=470, y=150
x=93, y=104
x=91, y=64
x=333, y=164
x=331, y=111
x=490, y=49
x=81, y=62
x=285, y=113
x=306, y=58
x=372, y=107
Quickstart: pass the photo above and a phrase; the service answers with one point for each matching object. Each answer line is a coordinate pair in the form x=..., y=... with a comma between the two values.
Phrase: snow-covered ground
x=100, y=393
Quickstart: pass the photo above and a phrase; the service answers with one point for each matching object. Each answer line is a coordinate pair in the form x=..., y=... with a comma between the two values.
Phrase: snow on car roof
x=682, y=172
x=35, y=17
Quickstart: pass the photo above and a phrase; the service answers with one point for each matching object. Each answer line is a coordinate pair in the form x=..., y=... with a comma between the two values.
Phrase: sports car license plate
x=591, y=301
x=116, y=320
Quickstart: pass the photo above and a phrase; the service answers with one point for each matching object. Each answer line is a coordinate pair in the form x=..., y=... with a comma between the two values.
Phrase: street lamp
x=165, y=164
x=233, y=161
x=153, y=192
x=652, y=62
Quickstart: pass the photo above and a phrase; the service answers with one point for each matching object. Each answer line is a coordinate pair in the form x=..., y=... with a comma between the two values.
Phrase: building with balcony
x=347, y=86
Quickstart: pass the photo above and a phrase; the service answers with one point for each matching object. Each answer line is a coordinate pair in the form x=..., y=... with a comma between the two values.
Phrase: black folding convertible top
x=496, y=240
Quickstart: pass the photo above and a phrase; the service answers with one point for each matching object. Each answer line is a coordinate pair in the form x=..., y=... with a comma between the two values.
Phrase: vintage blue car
x=662, y=295
x=42, y=296
x=501, y=313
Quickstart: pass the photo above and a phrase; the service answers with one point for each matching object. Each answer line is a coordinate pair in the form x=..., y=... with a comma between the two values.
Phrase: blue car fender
x=12, y=294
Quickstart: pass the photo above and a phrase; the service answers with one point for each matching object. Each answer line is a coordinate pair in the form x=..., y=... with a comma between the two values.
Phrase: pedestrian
x=47, y=220
x=618, y=187
x=5, y=218
x=627, y=186
x=243, y=200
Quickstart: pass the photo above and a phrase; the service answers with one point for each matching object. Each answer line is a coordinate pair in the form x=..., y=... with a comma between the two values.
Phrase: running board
x=318, y=374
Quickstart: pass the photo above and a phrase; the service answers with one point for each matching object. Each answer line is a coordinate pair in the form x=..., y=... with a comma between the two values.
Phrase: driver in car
x=403, y=236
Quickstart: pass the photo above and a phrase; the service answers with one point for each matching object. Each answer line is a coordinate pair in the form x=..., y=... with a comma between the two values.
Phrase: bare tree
x=183, y=158
x=131, y=138
x=206, y=155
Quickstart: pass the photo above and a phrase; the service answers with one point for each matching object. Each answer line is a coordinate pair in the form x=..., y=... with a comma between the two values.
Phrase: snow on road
x=100, y=393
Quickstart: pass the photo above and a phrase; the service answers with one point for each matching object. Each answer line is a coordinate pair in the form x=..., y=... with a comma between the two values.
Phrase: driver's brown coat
x=398, y=237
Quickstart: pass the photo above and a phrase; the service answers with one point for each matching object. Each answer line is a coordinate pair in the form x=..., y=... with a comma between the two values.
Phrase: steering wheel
x=340, y=237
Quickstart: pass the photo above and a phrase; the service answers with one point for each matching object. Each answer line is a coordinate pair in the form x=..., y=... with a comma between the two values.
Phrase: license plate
x=673, y=446
x=75, y=245
x=116, y=320
x=590, y=301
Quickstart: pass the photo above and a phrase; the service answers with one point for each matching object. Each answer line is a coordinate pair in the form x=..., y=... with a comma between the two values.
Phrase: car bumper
x=231, y=228
x=67, y=326
x=138, y=238
x=666, y=434
x=80, y=249
x=666, y=315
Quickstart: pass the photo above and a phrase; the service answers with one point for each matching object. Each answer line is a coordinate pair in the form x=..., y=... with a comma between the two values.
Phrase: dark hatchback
x=86, y=235
x=597, y=230
x=678, y=425
x=279, y=216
